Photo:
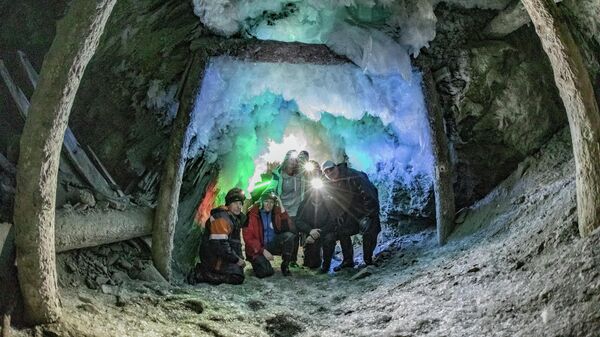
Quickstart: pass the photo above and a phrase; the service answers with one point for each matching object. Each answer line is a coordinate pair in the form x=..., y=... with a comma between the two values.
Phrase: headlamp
x=309, y=167
x=317, y=183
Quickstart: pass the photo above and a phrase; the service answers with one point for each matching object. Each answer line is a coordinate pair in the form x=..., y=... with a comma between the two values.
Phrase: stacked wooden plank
x=91, y=172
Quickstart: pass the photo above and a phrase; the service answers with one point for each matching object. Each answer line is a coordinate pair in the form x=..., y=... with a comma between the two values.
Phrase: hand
x=315, y=234
x=310, y=240
x=280, y=204
x=241, y=263
x=267, y=255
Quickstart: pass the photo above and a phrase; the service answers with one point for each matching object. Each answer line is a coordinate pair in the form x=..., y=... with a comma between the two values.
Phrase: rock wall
x=128, y=92
x=499, y=98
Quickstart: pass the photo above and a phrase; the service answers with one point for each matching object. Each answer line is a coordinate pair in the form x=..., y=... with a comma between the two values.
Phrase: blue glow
x=244, y=109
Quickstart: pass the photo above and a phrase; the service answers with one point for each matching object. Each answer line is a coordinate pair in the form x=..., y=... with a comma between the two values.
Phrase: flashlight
x=317, y=183
x=309, y=167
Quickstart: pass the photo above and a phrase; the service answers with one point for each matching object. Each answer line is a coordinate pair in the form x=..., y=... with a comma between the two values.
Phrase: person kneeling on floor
x=268, y=233
x=221, y=249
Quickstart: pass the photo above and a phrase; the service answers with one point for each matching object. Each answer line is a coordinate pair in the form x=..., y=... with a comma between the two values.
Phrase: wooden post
x=16, y=92
x=442, y=182
x=32, y=75
x=77, y=36
x=575, y=88
x=170, y=184
x=72, y=150
x=6, y=325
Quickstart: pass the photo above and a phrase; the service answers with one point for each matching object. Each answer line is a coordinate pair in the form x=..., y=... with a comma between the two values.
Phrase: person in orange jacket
x=221, y=248
x=269, y=232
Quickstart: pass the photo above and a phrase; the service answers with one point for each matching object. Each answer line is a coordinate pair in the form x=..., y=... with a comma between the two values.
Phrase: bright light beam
x=309, y=167
x=317, y=183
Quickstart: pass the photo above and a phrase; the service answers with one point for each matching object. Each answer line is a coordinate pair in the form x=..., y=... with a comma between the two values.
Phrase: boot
x=344, y=264
x=285, y=269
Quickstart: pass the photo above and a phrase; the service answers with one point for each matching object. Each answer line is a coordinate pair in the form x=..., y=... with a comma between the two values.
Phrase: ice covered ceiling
x=245, y=109
x=377, y=35
x=372, y=111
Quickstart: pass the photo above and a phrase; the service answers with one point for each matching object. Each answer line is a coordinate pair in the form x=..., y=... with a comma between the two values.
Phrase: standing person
x=221, y=249
x=288, y=182
x=268, y=233
x=356, y=209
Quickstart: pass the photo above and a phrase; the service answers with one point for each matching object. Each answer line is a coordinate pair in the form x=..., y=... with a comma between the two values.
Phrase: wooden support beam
x=77, y=36
x=513, y=17
x=72, y=150
x=172, y=175
x=76, y=230
x=84, y=166
x=16, y=92
x=442, y=182
x=105, y=173
x=575, y=88
x=6, y=165
x=32, y=75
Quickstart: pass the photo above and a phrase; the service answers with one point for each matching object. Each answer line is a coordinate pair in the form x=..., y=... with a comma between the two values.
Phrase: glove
x=315, y=234
x=310, y=240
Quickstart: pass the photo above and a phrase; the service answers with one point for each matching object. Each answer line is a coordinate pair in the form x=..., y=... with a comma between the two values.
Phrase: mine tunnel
x=125, y=125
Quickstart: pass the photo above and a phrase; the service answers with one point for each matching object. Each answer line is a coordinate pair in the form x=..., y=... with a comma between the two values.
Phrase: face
x=292, y=164
x=302, y=157
x=235, y=207
x=332, y=173
x=268, y=205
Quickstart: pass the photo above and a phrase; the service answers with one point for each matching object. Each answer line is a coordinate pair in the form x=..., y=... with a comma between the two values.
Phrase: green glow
x=262, y=184
x=264, y=117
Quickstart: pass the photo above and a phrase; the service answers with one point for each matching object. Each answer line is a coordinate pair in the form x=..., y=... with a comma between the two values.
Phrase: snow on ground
x=515, y=266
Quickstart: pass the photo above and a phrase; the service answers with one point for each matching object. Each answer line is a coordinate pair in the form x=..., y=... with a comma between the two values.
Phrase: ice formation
x=244, y=109
x=323, y=22
x=377, y=35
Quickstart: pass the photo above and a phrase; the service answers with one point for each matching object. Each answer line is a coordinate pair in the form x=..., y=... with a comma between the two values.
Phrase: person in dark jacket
x=355, y=208
x=268, y=233
x=314, y=221
x=221, y=249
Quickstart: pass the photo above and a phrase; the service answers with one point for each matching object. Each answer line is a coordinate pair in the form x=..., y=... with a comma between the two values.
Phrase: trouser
x=231, y=273
x=329, y=241
x=282, y=244
x=312, y=254
x=370, y=234
x=298, y=241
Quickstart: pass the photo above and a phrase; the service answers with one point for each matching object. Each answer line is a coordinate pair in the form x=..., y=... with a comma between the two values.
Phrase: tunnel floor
x=515, y=266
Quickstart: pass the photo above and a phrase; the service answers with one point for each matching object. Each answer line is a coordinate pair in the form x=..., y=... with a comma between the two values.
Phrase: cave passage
x=248, y=114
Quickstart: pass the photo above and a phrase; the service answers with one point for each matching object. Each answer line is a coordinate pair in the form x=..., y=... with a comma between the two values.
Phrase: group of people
x=304, y=203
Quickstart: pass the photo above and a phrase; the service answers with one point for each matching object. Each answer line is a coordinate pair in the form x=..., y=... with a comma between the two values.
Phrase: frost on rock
x=162, y=100
x=367, y=32
x=377, y=123
x=370, y=49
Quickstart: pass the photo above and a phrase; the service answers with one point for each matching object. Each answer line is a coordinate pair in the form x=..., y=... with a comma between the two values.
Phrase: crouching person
x=314, y=220
x=221, y=250
x=268, y=233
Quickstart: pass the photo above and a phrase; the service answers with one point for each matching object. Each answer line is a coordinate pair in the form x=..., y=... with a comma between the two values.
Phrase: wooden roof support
x=575, y=88
x=442, y=175
x=77, y=36
x=101, y=182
